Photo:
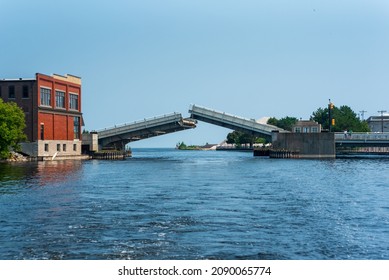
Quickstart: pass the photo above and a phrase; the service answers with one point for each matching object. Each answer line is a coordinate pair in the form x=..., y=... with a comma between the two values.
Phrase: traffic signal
x=331, y=105
x=333, y=122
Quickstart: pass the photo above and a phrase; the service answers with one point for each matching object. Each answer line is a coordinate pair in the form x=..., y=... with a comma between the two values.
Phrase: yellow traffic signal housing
x=333, y=122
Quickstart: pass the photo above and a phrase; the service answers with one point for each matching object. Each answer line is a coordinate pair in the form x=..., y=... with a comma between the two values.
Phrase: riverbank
x=206, y=147
x=16, y=157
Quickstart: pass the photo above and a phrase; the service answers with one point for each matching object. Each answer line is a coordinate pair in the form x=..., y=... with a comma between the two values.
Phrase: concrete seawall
x=308, y=145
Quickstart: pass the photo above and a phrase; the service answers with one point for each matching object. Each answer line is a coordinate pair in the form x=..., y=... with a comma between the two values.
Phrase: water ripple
x=168, y=204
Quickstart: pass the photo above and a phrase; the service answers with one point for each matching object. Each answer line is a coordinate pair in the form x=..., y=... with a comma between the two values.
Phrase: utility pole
x=382, y=119
x=363, y=114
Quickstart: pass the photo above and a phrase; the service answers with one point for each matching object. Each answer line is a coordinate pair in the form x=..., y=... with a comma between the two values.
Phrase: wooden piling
x=111, y=155
x=276, y=153
x=283, y=154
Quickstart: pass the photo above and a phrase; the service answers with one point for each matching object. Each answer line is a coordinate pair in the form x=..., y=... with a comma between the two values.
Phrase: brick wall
x=23, y=91
x=58, y=122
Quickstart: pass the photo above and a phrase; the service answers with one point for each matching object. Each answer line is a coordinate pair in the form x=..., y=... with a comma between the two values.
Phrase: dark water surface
x=168, y=204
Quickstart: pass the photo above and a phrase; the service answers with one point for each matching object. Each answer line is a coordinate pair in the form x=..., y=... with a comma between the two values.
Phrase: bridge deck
x=122, y=134
x=362, y=139
x=232, y=122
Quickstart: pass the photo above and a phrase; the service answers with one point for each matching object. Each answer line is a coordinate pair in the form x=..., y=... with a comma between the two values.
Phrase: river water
x=170, y=204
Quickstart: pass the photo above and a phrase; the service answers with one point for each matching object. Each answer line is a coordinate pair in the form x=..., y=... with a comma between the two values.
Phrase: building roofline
x=36, y=74
x=73, y=76
x=17, y=80
x=378, y=118
x=66, y=78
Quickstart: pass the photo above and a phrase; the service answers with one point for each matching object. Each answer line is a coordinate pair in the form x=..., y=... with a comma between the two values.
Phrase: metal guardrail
x=366, y=136
x=149, y=122
x=205, y=109
x=244, y=123
x=139, y=121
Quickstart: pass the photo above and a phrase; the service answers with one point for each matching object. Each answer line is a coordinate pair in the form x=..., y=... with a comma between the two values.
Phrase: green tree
x=285, y=123
x=260, y=140
x=233, y=137
x=238, y=138
x=345, y=119
x=12, y=124
x=181, y=145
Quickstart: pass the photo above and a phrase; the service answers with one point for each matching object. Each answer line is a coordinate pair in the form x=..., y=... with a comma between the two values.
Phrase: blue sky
x=140, y=59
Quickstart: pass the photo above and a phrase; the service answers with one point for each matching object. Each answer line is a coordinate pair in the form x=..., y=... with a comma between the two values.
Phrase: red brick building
x=52, y=106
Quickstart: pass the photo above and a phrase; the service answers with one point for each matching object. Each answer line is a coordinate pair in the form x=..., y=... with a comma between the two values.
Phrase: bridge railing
x=217, y=113
x=123, y=125
x=232, y=119
x=365, y=136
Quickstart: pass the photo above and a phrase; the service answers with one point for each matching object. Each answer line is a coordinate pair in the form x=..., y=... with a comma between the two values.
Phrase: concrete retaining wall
x=91, y=141
x=309, y=145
